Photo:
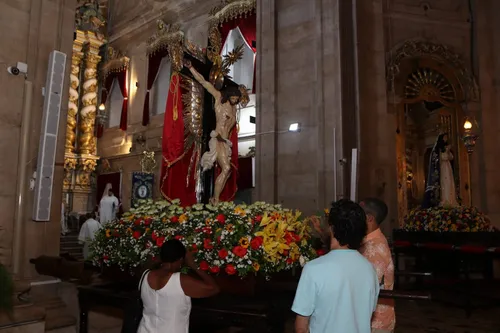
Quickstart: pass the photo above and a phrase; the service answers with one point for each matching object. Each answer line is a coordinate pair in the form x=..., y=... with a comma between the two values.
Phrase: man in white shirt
x=87, y=233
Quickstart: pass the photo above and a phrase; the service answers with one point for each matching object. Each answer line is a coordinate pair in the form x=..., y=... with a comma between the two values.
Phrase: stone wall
x=31, y=30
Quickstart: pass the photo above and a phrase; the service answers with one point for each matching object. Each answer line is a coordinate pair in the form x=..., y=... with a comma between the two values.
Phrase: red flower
x=223, y=253
x=137, y=234
x=221, y=218
x=256, y=242
x=207, y=244
x=207, y=230
x=154, y=236
x=148, y=221
x=160, y=241
x=214, y=269
x=174, y=219
x=194, y=248
x=289, y=261
x=154, y=258
x=258, y=218
x=204, y=266
x=288, y=238
x=285, y=253
x=105, y=257
x=179, y=237
x=230, y=269
x=320, y=252
x=121, y=222
x=239, y=251
x=148, y=245
x=218, y=240
x=296, y=237
x=137, y=222
x=116, y=233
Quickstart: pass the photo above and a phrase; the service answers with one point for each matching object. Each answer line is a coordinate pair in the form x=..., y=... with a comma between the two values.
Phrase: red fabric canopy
x=248, y=28
x=175, y=160
x=122, y=81
x=153, y=68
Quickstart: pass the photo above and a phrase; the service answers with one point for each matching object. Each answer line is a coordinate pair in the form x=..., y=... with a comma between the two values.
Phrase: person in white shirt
x=166, y=293
x=108, y=206
x=87, y=233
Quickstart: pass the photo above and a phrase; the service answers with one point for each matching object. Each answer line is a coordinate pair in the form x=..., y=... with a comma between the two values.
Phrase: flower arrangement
x=439, y=219
x=235, y=239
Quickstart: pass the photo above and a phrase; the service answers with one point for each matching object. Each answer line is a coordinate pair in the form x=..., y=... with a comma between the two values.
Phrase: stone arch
x=414, y=49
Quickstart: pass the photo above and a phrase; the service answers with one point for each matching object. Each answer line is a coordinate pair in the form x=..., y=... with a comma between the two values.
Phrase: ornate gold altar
x=430, y=91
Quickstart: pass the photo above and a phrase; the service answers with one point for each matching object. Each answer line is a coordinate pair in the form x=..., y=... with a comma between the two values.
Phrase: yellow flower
x=229, y=227
x=208, y=221
x=164, y=220
x=256, y=266
x=240, y=211
x=244, y=242
x=147, y=230
x=327, y=211
x=108, y=233
x=129, y=230
x=182, y=218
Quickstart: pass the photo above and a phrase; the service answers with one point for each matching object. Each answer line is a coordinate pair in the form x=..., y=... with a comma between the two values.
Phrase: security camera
x=21, y=67
x=13, y=70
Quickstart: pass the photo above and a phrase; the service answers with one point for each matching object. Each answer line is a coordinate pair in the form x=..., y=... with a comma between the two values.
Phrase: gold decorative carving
x=193, y=120
x=70, y=163
x=168, y=36
x=74, y=95
x=89, y=100
x=148, y=162
x=429, y=85
x=86, y=167
x=195, y=50
x=420, y=48
x=228, y=10
x=115, y=62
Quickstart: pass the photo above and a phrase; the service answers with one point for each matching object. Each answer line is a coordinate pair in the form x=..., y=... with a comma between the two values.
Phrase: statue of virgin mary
x=440, y=187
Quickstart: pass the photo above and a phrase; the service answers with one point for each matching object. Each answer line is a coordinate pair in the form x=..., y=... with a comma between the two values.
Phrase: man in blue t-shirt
x=338, y=292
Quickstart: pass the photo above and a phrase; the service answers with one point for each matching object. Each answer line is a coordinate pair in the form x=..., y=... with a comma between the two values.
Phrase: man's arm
x=207, y=85
x=302, y=324
x=305, y=301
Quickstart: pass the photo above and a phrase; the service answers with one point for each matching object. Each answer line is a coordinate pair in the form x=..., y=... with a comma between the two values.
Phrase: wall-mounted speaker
x=48, y=136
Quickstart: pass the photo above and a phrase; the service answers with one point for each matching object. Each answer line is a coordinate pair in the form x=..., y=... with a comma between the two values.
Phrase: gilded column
x=87, y=116
x=70, y=159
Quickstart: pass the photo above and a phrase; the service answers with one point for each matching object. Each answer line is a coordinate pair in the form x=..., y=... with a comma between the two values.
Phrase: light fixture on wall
x=294, y=127
x=101, y=114
x=469, y=138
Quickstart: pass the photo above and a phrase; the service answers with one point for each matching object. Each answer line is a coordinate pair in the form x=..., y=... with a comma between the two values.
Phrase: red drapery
x=108, y=82
x=115, y=179
x=153, y=68
x=248, y=28
x=175, y=161
x=122, y=81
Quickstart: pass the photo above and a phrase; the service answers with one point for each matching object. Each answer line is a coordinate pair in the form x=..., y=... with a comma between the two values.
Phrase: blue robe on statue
x=432, y=196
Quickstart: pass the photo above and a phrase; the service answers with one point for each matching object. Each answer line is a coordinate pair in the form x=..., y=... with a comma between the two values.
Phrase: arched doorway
x=432, y=86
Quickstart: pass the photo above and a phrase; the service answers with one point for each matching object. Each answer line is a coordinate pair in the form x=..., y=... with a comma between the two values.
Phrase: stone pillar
x=485, y=159
x=377, y=120
x=87, y=159
x=70, y=158
x=299, y=170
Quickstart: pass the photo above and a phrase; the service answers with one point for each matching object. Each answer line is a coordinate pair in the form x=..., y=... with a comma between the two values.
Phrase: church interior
x=111, y=107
